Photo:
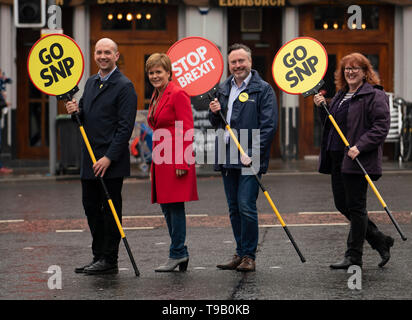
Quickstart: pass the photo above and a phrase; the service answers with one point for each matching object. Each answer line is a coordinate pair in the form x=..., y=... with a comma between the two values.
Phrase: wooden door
x=132, y=64
x=263, y=42
x=33, y=106
x=135, y=45
x=375, y=43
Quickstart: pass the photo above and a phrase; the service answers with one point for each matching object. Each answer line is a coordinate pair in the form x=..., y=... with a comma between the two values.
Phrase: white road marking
x=319, y=212
x=11, y=221
x=161, y=216
x=138, y=228
x=304, y=225
x=330, y=212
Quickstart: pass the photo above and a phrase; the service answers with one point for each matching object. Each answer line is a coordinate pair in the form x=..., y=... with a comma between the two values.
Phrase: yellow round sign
x=299, y=65
x=243, y=97
x=55, y=64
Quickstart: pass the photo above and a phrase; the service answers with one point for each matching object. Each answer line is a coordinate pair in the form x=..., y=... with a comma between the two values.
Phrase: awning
x=248, y=3
x=159, y=2
x=348, y=2
x=220, y=3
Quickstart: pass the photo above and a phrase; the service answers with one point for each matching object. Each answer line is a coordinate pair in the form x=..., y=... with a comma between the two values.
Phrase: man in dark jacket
x=249, y=105
x=108, y=110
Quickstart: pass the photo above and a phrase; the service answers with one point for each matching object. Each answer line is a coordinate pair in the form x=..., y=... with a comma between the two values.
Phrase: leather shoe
x=171, y=264
x=102, y=267
x=247, y=265
x=384, y=251
x=81, y=269
x=236, y=260
x=346, y=263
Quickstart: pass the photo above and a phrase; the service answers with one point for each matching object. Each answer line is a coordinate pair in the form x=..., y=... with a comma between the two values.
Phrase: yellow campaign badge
x=299, y=65
x=55, y=64
x=243, y=97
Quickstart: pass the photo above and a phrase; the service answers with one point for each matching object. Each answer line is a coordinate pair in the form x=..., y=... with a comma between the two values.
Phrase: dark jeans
x=241, y=193
x=350, y=195
x=176, y=224
x=105, y=233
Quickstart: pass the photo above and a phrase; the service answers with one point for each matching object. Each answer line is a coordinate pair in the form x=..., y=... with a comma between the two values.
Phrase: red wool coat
x=173, y=132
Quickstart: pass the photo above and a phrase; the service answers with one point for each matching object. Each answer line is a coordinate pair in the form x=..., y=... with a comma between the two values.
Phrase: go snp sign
x=197, y=64
x=55, y=64
x=300, y=65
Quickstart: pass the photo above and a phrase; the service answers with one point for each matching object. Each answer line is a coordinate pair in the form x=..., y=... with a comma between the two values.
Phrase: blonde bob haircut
x=159, y=59
x=359, y=60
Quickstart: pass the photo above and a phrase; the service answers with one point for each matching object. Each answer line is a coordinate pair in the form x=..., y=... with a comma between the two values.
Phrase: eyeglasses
x=354, y=69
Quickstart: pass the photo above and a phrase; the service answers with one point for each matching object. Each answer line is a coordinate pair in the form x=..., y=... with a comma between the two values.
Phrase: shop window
x=33, y=91
x=328, y=90
x=374, y=59
x=148, y=88
x=336, y=18
x=251, y=20
x=145, y=18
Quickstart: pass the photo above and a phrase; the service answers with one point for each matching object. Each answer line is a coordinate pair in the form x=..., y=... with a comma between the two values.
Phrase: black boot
x=384, y=251
x=81, y=269
x=102, y=267
x=346, y=263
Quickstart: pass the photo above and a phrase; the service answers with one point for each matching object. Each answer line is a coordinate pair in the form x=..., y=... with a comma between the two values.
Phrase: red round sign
x=197, y=64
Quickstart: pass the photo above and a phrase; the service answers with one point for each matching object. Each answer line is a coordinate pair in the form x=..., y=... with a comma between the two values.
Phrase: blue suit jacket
x=108, y=116
x=259, y=111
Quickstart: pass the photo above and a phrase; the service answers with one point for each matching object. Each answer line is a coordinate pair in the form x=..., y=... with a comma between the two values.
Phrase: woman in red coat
x=173, y=173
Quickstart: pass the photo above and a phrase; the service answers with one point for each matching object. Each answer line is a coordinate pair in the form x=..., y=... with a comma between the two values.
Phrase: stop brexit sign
x=197, y=64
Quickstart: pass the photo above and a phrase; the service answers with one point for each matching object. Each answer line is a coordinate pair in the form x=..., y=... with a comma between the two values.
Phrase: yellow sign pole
x=275, y=210
x=55, y=65
x=298, y=68
x=368, y=179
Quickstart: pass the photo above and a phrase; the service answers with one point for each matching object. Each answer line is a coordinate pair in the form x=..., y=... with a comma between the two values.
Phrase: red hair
x=355, y=59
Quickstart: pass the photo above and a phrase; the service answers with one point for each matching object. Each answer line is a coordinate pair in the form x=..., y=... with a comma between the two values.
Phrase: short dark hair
x=238, y=46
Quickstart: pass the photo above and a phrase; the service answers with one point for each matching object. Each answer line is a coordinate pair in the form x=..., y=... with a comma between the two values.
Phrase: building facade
x=141, y=27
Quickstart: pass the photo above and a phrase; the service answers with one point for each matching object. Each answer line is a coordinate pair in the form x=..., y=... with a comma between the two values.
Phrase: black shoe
x=102, y=267
x=346, y=263
x=81, y=269
x=384, y=251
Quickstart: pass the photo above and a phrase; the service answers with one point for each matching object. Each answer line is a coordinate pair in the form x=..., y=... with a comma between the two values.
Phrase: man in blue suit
x=107, y=109
x=249, y=104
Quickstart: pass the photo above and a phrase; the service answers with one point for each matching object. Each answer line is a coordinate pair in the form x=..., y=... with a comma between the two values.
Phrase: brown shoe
x=236, y=260
x=247, y=265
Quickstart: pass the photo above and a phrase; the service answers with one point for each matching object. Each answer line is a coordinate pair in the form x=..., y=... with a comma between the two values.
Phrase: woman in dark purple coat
x=361, y=110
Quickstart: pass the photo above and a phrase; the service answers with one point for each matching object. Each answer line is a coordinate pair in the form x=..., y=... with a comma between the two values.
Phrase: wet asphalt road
x=48, y=228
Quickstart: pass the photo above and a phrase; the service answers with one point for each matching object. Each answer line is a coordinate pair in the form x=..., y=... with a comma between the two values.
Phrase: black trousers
x=350, y=195
x=105, y=233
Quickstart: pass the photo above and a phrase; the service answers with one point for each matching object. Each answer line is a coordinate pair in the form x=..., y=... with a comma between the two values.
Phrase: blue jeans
x=241, y=193
x=176, y=223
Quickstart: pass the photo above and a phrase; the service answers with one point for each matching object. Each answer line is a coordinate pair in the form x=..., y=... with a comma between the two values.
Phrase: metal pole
x=52, y=135
x=109, y=200
x=52, y=120
x=371, y=184
x=275, y=210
